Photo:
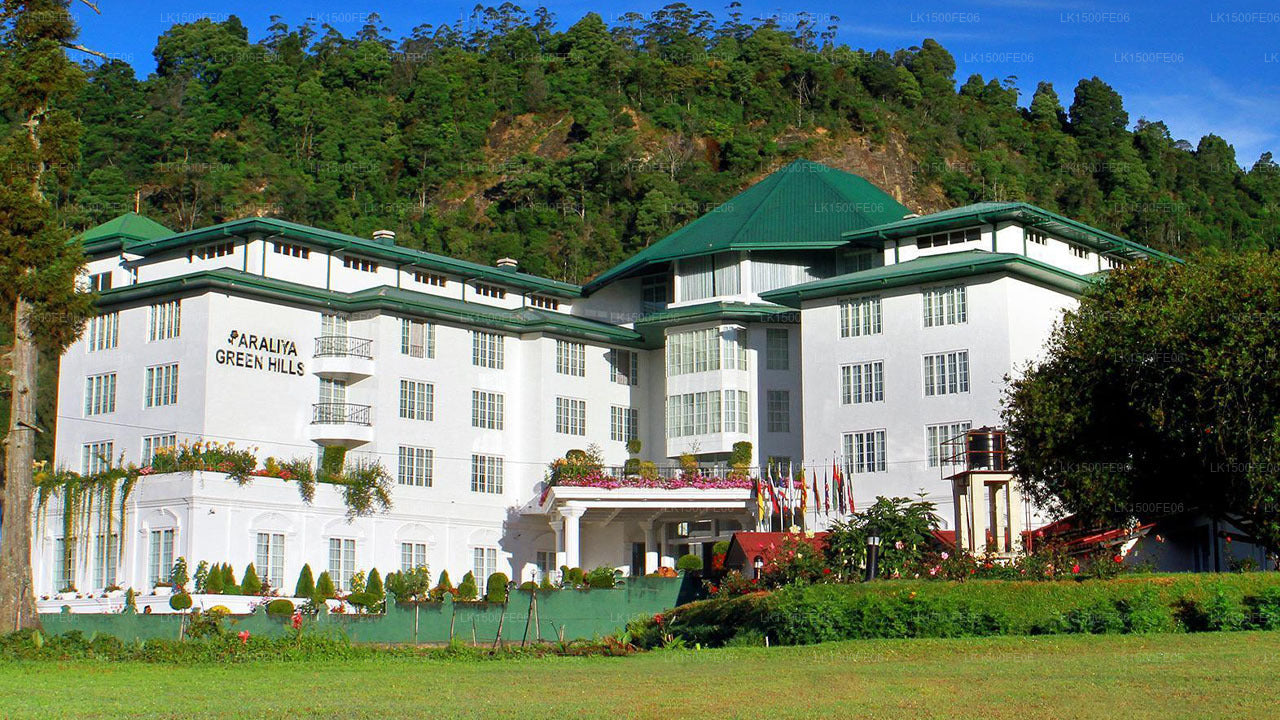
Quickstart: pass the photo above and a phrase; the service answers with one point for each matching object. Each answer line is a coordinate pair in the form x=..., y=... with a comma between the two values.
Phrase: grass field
x=1208, y=675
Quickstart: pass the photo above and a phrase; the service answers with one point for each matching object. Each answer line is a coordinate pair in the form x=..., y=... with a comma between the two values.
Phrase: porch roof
x=631, y=498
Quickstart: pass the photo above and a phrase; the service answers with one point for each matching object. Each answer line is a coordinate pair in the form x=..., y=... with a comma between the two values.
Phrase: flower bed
x=696, y=481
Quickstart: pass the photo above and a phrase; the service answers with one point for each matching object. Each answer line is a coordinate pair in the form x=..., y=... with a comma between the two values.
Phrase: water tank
x=985, y=449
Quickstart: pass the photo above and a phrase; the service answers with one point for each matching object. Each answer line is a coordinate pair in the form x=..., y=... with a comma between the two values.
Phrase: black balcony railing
x=344, y=346
x=339, y=414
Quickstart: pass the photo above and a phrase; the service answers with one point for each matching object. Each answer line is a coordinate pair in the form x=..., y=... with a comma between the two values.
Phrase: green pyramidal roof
x=118, y=232
x=802, y=206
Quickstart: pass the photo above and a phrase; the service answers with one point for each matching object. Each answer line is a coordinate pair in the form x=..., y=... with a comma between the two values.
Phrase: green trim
x=520, y=321
x=934, y=268
x=273, y=227
x=654, y=325
x=1023, y=213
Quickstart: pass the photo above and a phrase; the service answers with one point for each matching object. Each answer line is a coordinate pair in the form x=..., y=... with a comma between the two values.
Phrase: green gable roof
x=273, y=227
x=115, y=234
x=934, y=268
x=993, y=212
x=387, y=298
x=803, y=206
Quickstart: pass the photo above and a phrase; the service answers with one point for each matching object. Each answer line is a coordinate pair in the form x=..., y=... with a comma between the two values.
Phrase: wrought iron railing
x=344, y=346
x=339, y=414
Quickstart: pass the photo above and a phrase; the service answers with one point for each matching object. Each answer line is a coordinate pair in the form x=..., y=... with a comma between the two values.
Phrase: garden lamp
x=759, y=563
x=873, y=551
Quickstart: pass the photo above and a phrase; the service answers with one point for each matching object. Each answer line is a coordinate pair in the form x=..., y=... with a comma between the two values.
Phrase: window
x=427, y=278
x=486, y=474
x=333, y=392
x=624, y=423
x=333, y=326
x=862, y=383
x=1079, y=251
x=100, y=281
x=735, y=349
x=779, y=408
x=1037, y=237
x=415, y=466
x=544, y=562
x=486, y=349
x=106, y=559
x=352, y=262
x=490, y=291
x=864, y=451
x=949, y=238
x=292, y=250
x=103, y=332
x=946, y=373
x=946, y=306
x=100, y=394
x=160, y=559
x=412, y=556
x=417, y=338
x=485, y=563
x=153, y=444
x=546, y=303
x=216, y=250
x=706, y=277
x=624, y=367
x=777, y=351
x=486, y=410
x=571, y=416
x=269, y=559
x=693, y=351
x=694, y=413
x=655, y=294
x=571, y=358
x=64, y=564
x=162, y=386
x=936, y=435
x=860, y=317
x=166, y=321
x=96, y=457
x=342, y=562
x=737, y=411
x=417, y=400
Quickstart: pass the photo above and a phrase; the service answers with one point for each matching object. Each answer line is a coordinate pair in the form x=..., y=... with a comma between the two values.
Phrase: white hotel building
x=812, y=315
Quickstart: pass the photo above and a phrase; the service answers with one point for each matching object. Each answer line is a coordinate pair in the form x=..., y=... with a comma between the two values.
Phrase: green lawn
x=1209, y=675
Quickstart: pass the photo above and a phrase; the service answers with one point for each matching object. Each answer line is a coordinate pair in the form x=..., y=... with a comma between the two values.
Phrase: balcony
x=346, y=424
x=343, y=357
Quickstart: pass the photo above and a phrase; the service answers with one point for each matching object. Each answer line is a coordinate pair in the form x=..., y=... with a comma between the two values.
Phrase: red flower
x=1118, y=558
x=297, y=621
x=1075, y=568
x=754, y=580
x=244, y=637
x=826, y=571
x=657, y=619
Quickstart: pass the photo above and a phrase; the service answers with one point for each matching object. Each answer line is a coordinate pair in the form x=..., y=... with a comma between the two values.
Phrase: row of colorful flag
x=781, y=492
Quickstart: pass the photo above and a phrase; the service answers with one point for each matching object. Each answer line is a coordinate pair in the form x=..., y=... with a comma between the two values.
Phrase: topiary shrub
x=496, y=588
x=373, y=586
x=202, y=574
x=572, y=576
x=324, y=588
x=229, y=584
x=529, y=586
x=631, y=467
x=546, y=582
x=689, y=563
x=251, y=585
x=180, y=601
x=467, y=589
x=648, y=470
x=443, y=587
x=178, y=576
x=280, y=607
x=720, y=548
x=213, y=582
x=306, y=586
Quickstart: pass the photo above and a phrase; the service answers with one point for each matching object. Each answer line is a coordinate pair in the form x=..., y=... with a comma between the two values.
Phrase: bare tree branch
x=92, y=6
x=83, y=49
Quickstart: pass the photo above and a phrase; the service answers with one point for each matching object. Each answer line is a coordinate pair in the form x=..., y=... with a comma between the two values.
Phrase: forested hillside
x=570, y=149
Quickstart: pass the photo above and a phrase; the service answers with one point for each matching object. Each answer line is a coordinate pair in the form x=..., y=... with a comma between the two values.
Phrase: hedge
x=803, y=614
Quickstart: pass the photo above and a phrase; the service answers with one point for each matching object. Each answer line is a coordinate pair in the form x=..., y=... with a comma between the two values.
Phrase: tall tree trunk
x=17, y=597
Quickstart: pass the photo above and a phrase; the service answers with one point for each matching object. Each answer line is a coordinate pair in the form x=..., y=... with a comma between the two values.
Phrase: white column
x=650, y=548
x=572, y=549
x=557, y=527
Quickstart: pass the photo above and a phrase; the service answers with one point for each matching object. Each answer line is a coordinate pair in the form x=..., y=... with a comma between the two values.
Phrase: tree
x=1097, y=113
x=38, y=266
x=374, y=586
x=324, y=588
x=1162, y=390
x=306, y=586
x=250, y=584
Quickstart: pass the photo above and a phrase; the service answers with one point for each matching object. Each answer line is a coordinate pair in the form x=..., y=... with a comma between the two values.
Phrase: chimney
x=384, y=237
x=508, y=264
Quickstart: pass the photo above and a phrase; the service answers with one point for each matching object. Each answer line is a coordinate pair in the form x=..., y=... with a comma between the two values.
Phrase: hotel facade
x=812, y=315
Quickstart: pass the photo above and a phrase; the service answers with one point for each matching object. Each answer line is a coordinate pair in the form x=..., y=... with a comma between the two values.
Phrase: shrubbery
x=467, y=589
x=689, y=562
x=802, y=614
x=306, y=586
x=496, y=588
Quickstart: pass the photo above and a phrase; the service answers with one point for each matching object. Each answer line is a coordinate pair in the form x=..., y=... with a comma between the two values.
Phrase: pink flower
x=946, y=555
x=898, y=545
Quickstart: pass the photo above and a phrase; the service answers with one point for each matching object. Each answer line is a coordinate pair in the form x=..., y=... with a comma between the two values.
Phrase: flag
x=817, y=499
x=773, y=496
x=839, y=482
x=826, y=491
x=848, y=493
x=759, y=502
x=804, y=495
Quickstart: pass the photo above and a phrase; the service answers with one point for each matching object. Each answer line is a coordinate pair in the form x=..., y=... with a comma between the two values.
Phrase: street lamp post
x=759, y=564
x=873, y=551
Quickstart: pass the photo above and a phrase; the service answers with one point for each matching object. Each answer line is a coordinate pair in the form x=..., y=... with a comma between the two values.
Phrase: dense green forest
x=570, y=146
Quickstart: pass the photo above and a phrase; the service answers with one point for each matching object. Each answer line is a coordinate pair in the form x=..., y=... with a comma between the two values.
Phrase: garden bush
x=306, y=586
x=689, y=562
x=250, y=585
x=324, y=588
x=467, y=589
x=280, y=606
x=803, y=614
x=180, y=601
x=496, y=588
x=602, y=578
x=213, y=582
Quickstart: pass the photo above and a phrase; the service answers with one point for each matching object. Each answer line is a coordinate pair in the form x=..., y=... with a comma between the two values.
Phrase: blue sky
x=1200, y=66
